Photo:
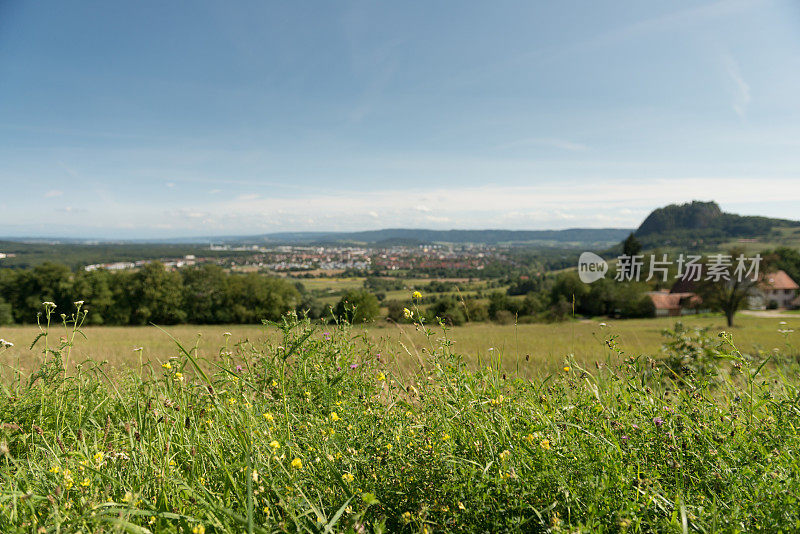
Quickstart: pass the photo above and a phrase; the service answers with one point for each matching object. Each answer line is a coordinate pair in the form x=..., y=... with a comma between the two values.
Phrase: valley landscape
x=371, y=267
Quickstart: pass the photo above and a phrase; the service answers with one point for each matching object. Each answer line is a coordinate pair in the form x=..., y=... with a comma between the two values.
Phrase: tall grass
x=315, y=431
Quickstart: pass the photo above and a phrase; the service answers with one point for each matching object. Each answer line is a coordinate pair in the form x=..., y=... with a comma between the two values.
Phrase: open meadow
x=338, y=429
x=531, y=348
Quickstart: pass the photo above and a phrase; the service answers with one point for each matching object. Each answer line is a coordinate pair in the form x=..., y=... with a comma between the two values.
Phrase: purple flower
x=327, y=336
x=625, y=438
x=353, y=366
x=658, y=421
x=634, y=425
x=238, y=368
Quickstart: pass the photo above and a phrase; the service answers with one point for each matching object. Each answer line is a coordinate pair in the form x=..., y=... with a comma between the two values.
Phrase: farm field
x=545, y=345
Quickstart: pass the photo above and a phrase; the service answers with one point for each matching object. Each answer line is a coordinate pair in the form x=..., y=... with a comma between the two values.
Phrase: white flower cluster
x=5, y=344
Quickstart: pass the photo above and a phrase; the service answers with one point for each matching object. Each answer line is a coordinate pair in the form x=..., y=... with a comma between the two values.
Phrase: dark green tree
x=357, y=306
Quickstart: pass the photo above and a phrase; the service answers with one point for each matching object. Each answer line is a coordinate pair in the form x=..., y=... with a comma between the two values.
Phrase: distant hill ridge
x=703, y=220
x=421, y=236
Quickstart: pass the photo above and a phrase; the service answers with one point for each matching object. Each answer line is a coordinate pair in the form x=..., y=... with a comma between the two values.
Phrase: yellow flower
x=152, y=520
x=268, y=417
x=529, y=438
x=199, y=529
x=166, y=365
x=505, y=454
x=172, y=463
x=347, y=477
x=231, y=401
x=98, y=458
x=297, y=463
x=275, y=445
x=406, y=517
x=128, y=497
x=461, y=506
x=179, y=377
x=545, y=444
x=86, y=482
x=334, y=416
x=567, y=368
x=408, y=314
x=381, y=376
x=54, y=469
x=445, y=437
x=416, y=295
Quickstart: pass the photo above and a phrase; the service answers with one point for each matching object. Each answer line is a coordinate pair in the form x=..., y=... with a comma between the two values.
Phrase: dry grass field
x=531, y=348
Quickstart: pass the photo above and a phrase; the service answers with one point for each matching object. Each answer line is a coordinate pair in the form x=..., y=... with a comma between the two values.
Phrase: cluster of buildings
x=127, y=265
x=773, y=291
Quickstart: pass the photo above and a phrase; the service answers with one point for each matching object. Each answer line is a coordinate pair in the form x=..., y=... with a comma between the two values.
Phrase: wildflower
x=567, y=368
x=178, y=377
x=327, y=336
x=658, y=421
x=98, y=458
x=408, y=314
x=172, y=463
x=231, y=401
x=505, y=454
x=86, y=482
x=274, y=445
x=152, y=520
x=166, y=365
x=499, y=400
x=54, y=469
x=416, y=295
x=49, y=304
x=445, y=437
x=138, y=349
x=209, y=422
x=348, y=477
x=381, y=376
x=239, y=368
x=268, y=416
x=334, y=416
x=545, y=444
x=199, y=529
x=406, y=517
x=78, y=303
x=254, y=475
x=353, y=366
x=461, y=506
x=227, y=334
x=297, y=463
x=529, y=438
x=5, y=343
x=128, y=497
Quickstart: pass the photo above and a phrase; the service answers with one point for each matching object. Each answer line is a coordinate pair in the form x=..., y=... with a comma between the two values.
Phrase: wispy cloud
x=53, y=193
x=741, y=92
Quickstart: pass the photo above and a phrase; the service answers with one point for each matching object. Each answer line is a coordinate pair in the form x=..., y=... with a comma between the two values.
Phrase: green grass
x=318, y=430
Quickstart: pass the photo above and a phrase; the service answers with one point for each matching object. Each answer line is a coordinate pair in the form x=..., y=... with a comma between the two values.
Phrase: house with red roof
x=775, y=290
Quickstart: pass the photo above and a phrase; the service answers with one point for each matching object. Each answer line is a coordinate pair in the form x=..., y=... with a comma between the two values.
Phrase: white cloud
x=53, y=193
x=741, y=90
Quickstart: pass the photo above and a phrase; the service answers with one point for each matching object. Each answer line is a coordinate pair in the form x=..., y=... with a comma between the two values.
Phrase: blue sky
x=162, y=119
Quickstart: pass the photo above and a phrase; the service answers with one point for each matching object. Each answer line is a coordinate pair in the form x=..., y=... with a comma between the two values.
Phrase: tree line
x=206, y=294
